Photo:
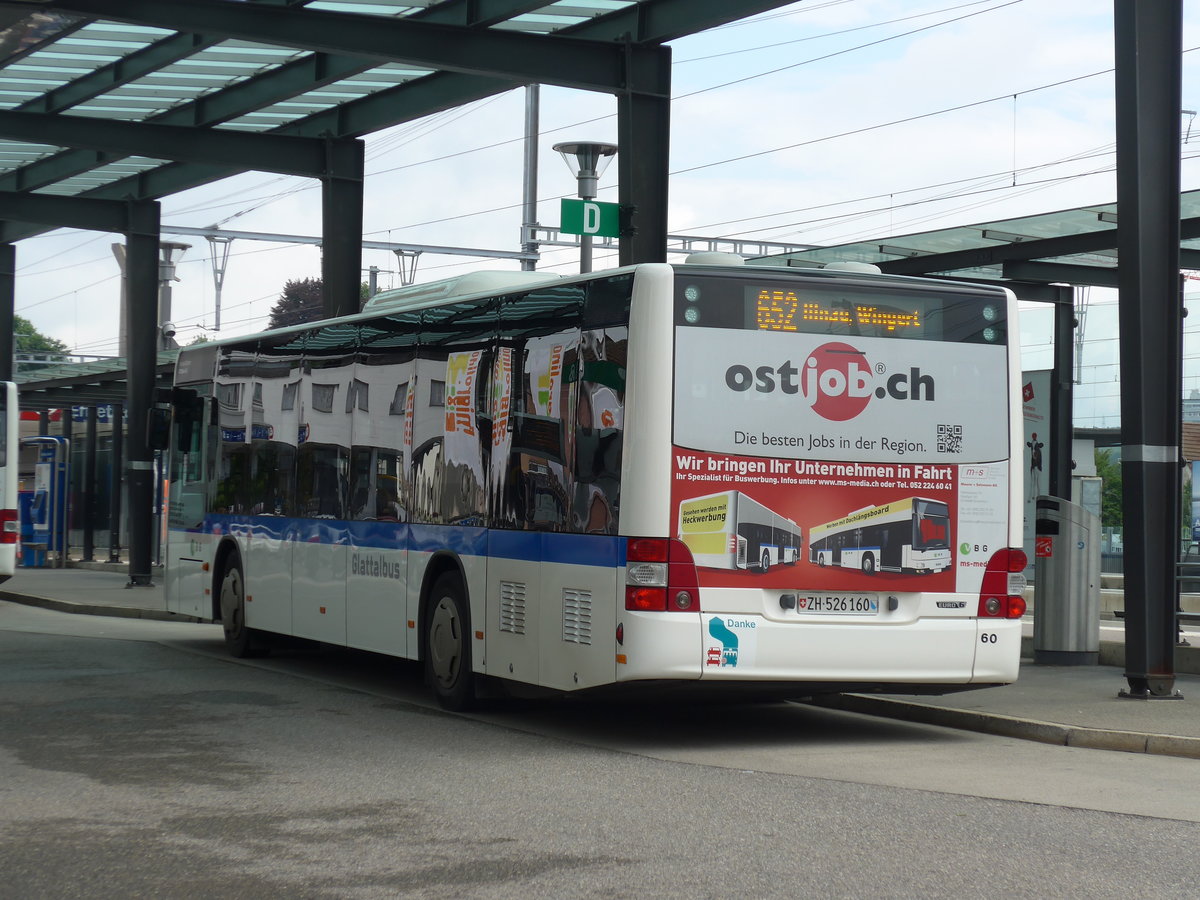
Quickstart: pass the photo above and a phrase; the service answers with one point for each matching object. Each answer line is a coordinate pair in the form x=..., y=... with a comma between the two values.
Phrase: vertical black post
x=8, y=288
x=89, y=488
x=341, y=226
x=43, y=422
x=116, y=483
x=141, y=323
x=1061, y=395
x=643, y=160
x=1148, y=47
x=68, y=505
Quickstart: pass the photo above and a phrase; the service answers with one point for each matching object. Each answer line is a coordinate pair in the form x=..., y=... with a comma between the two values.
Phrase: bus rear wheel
x=868, y=564
x=238, y=637
x=447, y=645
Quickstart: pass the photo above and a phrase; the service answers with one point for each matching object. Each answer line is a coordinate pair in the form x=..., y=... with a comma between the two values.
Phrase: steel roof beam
x=261, y=152
x=665, y=20
x=1064, y=273
x=422, y=97
x=565, y=61
x=89, y=214
x=1046, y=248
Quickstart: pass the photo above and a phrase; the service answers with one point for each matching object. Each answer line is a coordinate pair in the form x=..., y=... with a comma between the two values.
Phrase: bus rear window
x=838, y=306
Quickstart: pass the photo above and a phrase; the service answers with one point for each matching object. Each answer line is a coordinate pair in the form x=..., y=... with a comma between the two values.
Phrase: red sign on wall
x=1045, y=545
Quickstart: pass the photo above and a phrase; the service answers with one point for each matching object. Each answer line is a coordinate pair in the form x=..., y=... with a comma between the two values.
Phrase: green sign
x=591, y=217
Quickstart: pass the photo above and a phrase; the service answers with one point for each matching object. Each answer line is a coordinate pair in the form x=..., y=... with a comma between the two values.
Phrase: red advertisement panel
x=818, y=525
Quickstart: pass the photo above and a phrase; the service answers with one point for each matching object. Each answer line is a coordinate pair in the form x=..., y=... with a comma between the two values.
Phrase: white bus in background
x=909, y=535
x=10, y=446
x=731, y=530
x=490, y=476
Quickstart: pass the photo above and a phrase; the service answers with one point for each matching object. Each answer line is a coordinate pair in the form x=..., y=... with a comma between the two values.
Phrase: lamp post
x=587, y=162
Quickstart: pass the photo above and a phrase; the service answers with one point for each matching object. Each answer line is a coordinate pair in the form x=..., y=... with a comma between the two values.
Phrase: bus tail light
x=660, y=576
x=8, y=526
x=1002, y=594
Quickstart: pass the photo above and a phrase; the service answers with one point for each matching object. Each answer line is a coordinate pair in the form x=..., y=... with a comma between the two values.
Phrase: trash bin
x=1066, y=615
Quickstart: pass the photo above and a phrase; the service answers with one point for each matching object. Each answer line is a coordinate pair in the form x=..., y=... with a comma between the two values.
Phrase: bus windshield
x=932, y=526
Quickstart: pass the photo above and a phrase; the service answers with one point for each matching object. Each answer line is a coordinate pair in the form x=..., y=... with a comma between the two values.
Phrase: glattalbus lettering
x=375, y=566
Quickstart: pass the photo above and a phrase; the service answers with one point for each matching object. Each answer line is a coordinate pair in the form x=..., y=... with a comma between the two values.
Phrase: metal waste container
x=1066, y=612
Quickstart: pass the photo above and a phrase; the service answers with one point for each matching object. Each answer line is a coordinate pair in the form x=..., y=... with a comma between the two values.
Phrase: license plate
x=838, y=604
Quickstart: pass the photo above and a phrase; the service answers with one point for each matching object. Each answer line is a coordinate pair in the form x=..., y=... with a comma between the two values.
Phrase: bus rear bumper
x=742, y=647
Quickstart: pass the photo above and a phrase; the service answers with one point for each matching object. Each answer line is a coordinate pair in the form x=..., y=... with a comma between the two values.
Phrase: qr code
x=949, y=438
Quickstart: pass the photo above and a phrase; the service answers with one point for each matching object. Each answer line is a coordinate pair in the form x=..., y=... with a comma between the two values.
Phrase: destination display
x=973, y=316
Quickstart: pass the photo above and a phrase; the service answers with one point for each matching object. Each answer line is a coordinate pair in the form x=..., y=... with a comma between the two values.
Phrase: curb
x=90, y=609
x=1008, y=726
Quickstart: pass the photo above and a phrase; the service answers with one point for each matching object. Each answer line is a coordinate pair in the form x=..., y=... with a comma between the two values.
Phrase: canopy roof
x=1071, y=246
x=134, y=100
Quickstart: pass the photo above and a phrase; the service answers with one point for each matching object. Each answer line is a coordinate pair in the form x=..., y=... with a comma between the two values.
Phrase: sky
x=822, y=122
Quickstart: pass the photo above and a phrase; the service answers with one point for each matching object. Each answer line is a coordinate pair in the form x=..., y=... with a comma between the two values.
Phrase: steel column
x=1061, y=396
x=115, y=482
x=1148, y=47
x=89, y=488
x=8, y=288
x=67, y=428
x=141, y=266
x=643, y=161
x=341, y=227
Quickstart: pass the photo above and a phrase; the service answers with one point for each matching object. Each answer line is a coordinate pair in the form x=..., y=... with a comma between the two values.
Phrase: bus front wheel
x=447, y=644
x=238, y=637
x=766, y=560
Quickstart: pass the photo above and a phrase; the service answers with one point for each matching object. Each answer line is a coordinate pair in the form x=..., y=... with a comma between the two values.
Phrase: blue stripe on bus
x=572, y=549
x=532, y=546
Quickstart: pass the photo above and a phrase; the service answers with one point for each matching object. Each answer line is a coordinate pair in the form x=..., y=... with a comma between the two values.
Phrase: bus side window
x=599, y=421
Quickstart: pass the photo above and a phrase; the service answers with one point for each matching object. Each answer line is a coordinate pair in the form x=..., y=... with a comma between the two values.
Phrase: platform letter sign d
x=590, y=217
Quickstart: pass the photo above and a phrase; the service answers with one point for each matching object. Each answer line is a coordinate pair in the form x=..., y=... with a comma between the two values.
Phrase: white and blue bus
x=487, y=475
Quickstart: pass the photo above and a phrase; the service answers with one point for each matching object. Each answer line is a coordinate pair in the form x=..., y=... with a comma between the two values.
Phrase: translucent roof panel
x=51, y=62
x=1065, y=223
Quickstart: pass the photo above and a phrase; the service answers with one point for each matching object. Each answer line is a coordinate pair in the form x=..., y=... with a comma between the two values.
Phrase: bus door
x=190, y=472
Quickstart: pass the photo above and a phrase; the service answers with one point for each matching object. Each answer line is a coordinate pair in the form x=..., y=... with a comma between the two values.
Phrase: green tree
x=1109, y=470
x=301, y=302
x=27, y=339
x=32, y=348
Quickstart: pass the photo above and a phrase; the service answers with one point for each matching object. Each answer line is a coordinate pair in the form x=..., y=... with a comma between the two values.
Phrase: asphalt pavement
x=1078, y=706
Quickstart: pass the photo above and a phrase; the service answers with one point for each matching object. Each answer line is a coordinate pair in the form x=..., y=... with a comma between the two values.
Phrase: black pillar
x=8, y=288
x=643, y=160
x=68, y=428
x=1061, y=394
x=89, y=488
x=341, y=227
x=116, y=483
x=141, y=318
x=1148, y=47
